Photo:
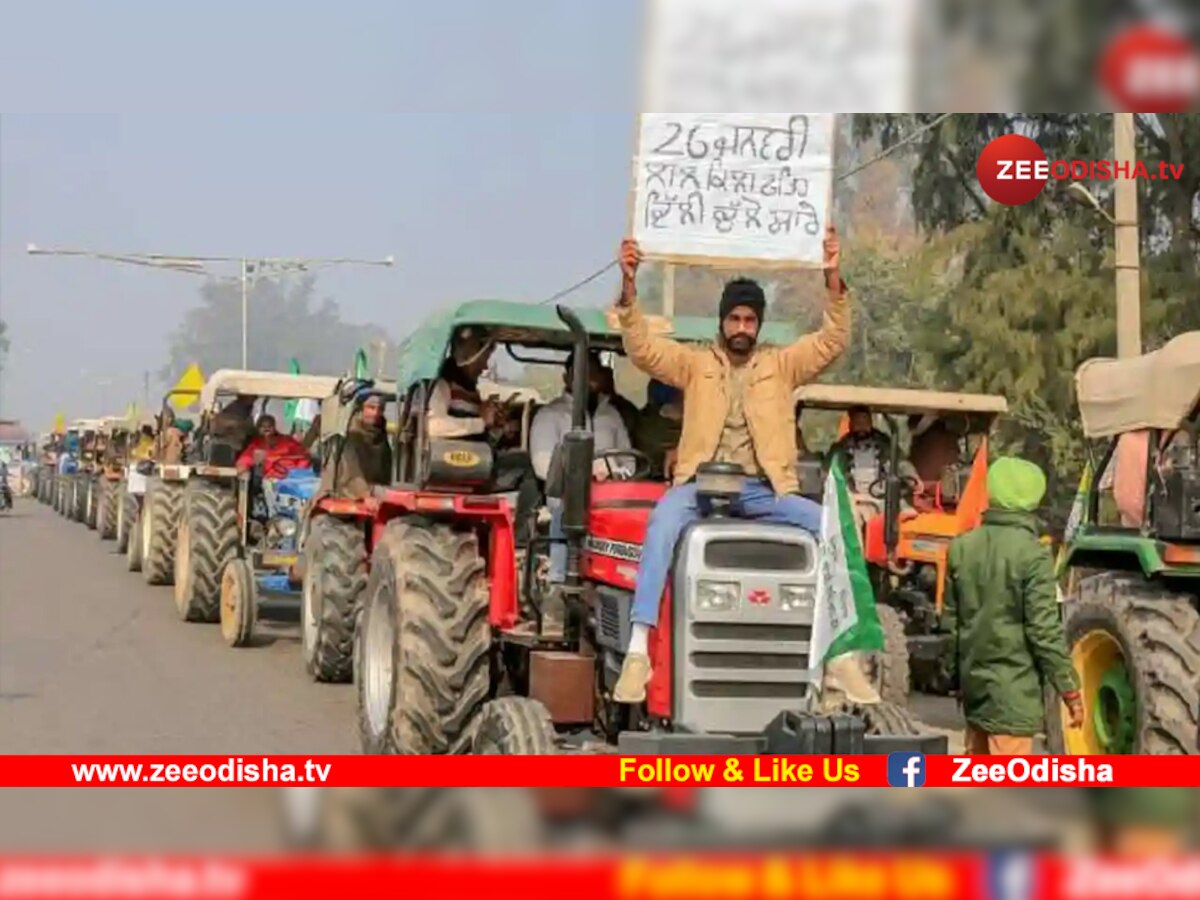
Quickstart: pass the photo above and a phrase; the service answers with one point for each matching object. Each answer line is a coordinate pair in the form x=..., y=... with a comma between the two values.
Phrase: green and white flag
x=1078, y=507
x=845, y=619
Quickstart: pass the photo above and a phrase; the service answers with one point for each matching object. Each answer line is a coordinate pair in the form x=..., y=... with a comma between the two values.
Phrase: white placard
x=757, y=55
x=733, y=187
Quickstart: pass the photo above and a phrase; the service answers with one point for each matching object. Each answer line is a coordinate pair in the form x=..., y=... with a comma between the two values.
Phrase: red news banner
x=713, y=875
x=894, y=770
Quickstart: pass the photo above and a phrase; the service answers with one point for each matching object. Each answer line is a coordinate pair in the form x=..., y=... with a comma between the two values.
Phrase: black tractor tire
x=106, y=516
x=239, y=603
x=207, y=539
x=888, y=670
x=1158, y=632
x=335, y=579
x=381, y=820
x=66, y=496
x=423, y=662
x=60, y=493
x=161, y=508
x=79, y=489
x=515, y=726
x=127, y=509
x=890, y=719
x=134, y=543
x=91, y=503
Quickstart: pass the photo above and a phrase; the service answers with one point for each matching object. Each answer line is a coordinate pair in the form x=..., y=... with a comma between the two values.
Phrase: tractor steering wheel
x=909, y=486
x=641, y=469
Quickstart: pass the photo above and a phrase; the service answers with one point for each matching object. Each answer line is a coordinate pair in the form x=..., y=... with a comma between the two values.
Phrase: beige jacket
x=702, y=373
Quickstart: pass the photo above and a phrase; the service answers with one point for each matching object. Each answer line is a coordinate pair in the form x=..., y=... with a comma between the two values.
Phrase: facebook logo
x=906, y=769
x=1010, y=876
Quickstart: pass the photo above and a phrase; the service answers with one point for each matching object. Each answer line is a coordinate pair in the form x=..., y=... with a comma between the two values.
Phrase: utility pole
x=1129, y=312
x=245, y=320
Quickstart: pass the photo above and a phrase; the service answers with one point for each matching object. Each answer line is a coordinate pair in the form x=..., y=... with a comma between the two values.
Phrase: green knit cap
x=1015, y=484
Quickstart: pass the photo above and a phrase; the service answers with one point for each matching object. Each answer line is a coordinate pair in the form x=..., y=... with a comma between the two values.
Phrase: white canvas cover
x=1155, y=390
x=898, y=400
x=278, y=385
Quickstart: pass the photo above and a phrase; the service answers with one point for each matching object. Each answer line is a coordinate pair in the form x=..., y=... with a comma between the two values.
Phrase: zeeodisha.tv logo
x=1013, y=169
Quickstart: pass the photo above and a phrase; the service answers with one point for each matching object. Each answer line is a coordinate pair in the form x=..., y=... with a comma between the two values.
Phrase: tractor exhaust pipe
x=578, y=452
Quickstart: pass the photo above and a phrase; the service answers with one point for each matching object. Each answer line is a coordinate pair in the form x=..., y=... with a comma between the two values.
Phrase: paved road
x=93, y=660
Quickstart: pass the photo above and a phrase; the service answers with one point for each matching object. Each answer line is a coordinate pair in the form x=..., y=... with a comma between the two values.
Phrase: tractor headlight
x=796, y=597
x=716, y=596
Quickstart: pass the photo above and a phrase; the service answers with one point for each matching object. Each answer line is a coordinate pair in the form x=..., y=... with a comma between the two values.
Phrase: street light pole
x=1129, y=314
x=198, y=265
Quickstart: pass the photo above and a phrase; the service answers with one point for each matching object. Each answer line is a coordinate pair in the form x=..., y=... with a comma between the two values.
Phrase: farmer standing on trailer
x=1001, y=612
x=737, y=409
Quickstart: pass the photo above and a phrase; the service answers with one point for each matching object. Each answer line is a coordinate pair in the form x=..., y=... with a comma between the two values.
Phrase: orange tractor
x=911, y=506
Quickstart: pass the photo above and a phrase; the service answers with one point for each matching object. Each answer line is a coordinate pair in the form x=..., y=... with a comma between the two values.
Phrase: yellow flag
x=60, y=424
x=189, y=384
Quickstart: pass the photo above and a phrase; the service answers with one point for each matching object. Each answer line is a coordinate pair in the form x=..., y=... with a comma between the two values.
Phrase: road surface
x=94, y=661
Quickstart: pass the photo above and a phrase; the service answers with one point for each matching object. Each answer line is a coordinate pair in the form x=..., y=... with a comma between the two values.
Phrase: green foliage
x=1011, y=300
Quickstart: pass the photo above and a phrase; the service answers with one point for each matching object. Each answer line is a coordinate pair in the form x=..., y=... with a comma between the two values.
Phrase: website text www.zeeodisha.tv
x=235, y=770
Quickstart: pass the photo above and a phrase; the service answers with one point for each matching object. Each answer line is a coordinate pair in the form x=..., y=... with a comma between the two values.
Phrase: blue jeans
x=677, y=509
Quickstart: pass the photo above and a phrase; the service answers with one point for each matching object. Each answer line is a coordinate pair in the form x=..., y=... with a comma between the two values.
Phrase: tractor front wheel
x=159, y=523
x=423, y=658
x=239, y=603
x=207, y=540
x=889, y=668
x=79, y=495
x=91, y=504
x=515, y=726
x=106, y=516
x=134, y=543
x=1136, y=649
x=335, y=577
x=127, y=507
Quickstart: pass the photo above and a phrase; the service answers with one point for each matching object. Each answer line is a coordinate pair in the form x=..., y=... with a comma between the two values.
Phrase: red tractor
x=454, y=651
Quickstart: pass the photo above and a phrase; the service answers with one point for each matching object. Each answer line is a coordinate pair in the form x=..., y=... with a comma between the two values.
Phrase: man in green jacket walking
x=1001, y=613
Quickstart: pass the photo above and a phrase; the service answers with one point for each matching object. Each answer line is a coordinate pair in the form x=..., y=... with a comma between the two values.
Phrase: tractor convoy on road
x=428, y=587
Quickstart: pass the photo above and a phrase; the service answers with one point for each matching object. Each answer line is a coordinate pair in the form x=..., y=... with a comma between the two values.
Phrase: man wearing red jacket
x=279, y=453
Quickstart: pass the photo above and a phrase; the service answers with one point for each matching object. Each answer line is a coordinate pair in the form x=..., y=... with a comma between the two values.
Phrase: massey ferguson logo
x=759, y=597
x=615, y=549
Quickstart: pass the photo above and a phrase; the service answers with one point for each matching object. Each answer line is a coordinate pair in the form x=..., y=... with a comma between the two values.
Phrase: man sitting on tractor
x=546, y=432
x=739, y=411
x=366, y=457
x=457, y=410
x=660, y=423
x=278, y=453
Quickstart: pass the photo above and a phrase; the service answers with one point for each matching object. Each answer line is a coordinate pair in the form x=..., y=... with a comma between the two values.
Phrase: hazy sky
x=485, y=144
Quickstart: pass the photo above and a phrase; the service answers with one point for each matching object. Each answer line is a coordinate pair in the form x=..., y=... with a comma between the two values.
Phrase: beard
x=741, y=343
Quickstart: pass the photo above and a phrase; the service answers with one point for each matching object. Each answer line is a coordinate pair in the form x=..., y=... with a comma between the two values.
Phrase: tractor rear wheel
x=889, y=669
x=335, y=577
x=106, y=517
x=207, y=540
x=515, y=726
x=159, y=523
x=1136, y=649
x=423, y=658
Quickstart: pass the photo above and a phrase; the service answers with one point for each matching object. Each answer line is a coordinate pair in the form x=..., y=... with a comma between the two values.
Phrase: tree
x=285, y=322
x=3, y=344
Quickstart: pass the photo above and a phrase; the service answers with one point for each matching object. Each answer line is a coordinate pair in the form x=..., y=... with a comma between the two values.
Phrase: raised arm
x=658, y=356
x=812, y=354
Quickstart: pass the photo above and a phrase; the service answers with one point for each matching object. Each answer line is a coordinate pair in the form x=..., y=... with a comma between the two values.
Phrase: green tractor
x=1131, y=602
